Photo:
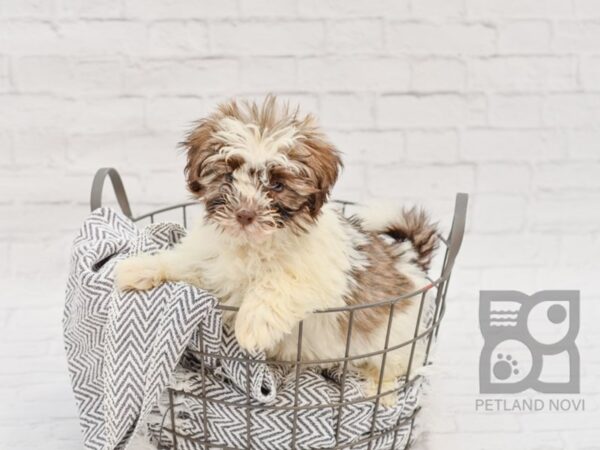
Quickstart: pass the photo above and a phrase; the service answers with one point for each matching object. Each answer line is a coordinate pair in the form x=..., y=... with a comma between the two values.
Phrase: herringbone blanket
x=122, y=348
x=125, y=349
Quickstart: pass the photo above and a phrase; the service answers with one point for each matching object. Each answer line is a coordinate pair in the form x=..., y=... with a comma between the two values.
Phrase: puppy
x=270, y=244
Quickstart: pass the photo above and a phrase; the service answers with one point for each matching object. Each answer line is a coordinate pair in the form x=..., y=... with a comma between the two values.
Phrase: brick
x=562, y=176
x=565, y=212
x=519, y=8
x=514, y=110
x=114, y=114
x=39, y=9
x=369, y=146
x=528, y=36
x=307, y=103
x=100, y=9
x=587, y=8
x=356, y=73
x=21, y=221
x=180, y=9
x=68, y=77
x=175, y=114
x=513, y=250
x=507, y=177
x=546, y=421
x=194, y=77
x=18, y=112
x=441, y=39
x=584, y=439
x=397, y=111
x=4, y=270
x=353, y=8
x=521, y=278
x=352, y=183
x=266, y=8
x=420, y=182
x=174, y=38
x=590, y=72
x=22, y=350
x=165, y=187
x=257, y=73
x=481, y=423
x=100, y=37
x=499, y=440
x=579, y=279
x=572, y=109
x=50, y=253
x=4, y=74
x=523, y=73
x=583, y=144
x=426, y=75
x=36, y=317
x=29, y=77
x=268, y=38
x=346, y=111
x=576, y=37
x=25, y=187
x=477, y=110
x=29, y=38
x=355, y=36
x=145, y=150
x=438, y=8
x=27, y=147
x=512, y=145
x=498, y=213
x=432, y=146
x=6, y=149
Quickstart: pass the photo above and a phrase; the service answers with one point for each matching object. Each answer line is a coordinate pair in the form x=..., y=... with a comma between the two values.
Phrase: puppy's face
x=259, y=169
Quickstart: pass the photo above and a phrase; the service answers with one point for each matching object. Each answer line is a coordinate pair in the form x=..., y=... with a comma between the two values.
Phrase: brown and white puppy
x=270, y=244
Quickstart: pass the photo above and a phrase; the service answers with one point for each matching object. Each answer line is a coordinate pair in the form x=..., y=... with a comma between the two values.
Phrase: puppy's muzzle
x=245, y=217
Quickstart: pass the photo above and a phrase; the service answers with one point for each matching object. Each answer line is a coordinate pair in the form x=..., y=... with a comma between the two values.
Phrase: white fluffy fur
x=279, y=282
x=256, y=147
x=278, y=276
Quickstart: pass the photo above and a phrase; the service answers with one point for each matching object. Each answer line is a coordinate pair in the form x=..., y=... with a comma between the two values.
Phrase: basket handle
x=457, y=232
x=117, y=184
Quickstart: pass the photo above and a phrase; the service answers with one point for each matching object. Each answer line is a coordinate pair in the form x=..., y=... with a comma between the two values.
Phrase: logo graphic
x=526, y=339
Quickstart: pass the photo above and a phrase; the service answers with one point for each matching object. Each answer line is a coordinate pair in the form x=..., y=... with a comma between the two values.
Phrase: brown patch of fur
x=199, y=144
x=414, y=225
x=323, y=163
x=379, y=281
x=305, y=189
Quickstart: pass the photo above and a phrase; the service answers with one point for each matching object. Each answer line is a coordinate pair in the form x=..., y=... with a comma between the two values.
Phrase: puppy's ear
x=325, y=163
x=198, y=145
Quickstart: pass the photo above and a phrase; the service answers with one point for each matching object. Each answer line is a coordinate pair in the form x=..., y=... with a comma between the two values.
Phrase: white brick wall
x=499, y=98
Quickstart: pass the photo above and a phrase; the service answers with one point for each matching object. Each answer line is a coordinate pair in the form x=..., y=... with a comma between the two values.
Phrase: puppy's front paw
x=371, y=383
x=385, y=400
x=256, y=329
x=139, y=273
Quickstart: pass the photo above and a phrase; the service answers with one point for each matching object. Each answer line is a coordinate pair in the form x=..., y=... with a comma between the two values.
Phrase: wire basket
x=436, y=290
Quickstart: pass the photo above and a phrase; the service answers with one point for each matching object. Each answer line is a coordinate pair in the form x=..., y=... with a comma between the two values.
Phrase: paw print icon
x=529, y=342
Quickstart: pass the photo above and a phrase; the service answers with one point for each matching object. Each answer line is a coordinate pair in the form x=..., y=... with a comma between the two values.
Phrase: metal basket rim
x=446, y=269
x=391, y=301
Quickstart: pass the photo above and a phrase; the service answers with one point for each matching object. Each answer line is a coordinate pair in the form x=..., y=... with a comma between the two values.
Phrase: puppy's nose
x=245, y=217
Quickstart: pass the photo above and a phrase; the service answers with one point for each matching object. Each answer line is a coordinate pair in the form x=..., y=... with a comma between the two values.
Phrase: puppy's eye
x=229, y=177
x=277, y=186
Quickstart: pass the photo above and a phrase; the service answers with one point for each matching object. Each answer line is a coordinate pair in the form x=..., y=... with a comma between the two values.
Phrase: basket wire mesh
x=439, y=285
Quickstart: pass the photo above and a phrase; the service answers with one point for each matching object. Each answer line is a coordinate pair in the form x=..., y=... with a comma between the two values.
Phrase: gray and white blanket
x=127, y=350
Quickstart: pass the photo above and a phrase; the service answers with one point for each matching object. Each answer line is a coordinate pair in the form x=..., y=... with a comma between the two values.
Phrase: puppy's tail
x=406, y=226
